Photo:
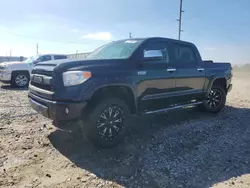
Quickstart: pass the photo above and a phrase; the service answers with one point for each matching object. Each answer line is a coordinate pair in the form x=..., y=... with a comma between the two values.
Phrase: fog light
x=66, y=110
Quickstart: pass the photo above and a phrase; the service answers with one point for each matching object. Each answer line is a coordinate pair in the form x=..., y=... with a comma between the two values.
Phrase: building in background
x=21, y=58
x=78, y=55
x=12, y=58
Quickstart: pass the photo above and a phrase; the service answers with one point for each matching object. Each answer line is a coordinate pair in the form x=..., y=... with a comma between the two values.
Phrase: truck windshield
x=115, y=50
x=31, y=59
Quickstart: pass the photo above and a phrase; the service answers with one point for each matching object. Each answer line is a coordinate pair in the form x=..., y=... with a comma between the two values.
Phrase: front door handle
x=171, y=70
x=200, y=69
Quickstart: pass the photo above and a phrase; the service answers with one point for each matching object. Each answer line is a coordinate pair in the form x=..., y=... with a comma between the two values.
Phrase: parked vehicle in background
x=17, y=73
x=134, y=76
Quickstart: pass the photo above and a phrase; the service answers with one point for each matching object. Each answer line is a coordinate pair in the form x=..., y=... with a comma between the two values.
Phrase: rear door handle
x=171, y=70
x=200, y=69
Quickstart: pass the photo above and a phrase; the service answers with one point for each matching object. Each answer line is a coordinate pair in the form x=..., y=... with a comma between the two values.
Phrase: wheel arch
x=14, y=72
x=217, y=81
x=123, y=92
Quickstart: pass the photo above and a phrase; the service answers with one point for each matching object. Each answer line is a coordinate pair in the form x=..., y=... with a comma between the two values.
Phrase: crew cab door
x=154, y=80
x=190, y=75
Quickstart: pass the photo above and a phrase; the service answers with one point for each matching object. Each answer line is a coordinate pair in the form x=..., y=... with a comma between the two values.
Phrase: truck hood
x=68, y=64
x=17, y=65
x=11, y=63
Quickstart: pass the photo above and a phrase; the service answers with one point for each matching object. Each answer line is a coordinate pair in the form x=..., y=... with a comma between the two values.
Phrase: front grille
x=42, y=72
x=42, y=86
x=47, y=79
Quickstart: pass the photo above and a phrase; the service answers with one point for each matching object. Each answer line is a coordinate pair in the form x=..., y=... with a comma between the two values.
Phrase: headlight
x=3, y=67
x=72, y=78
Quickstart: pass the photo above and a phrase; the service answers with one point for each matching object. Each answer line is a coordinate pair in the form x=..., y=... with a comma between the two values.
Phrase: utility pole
x=179, y=20
x=76, y=53
x=37, y=49
x=9, y=55
x=130, y=35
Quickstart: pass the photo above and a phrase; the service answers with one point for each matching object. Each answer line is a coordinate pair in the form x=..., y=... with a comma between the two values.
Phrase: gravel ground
x=181, y=149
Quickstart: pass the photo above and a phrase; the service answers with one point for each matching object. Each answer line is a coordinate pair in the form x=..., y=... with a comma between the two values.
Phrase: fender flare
x=101, y=86
x=23, y=71
x=211, y=82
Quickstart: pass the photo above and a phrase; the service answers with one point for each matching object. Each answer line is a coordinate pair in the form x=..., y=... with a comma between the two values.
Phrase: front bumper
x=5, y=77
x=57, y=111
x=229, y=88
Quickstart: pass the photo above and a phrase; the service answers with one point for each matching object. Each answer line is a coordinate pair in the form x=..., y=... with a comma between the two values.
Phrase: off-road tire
x=92, y=123
x=221, y=95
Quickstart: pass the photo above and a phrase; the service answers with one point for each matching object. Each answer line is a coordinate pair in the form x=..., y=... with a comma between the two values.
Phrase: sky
x=219, y=28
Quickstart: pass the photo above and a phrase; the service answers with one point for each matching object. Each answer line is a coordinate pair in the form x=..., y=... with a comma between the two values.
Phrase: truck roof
x=159, y=38
x=52, y=54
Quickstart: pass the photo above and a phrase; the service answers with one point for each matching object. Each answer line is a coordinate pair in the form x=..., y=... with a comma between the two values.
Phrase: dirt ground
x=181, y=149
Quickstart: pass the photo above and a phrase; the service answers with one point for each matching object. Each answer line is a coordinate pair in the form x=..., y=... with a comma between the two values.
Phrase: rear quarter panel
x=215, y=71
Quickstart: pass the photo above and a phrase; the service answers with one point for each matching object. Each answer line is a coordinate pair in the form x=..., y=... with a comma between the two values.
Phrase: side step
x=171, y=108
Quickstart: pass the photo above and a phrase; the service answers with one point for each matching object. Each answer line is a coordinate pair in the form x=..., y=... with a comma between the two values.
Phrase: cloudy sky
x=220, y=28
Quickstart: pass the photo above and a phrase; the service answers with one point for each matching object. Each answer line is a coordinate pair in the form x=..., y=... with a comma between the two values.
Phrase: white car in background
x=18, y=73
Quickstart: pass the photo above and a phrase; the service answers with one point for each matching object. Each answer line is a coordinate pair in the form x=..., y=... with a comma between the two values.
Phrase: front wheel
x=106, y=124
x=20, y=80
x=216, y=99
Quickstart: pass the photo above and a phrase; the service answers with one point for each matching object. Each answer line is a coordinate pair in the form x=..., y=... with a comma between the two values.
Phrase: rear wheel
x=20, y=79
x=216, y=99
x=106, y=124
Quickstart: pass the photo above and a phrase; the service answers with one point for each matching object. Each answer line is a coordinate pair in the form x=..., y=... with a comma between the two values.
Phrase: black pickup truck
x=134, y=76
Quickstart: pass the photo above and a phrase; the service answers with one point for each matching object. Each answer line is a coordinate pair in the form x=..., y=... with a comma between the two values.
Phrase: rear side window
x=184, y=54
x=45, y=58
x=60, y=57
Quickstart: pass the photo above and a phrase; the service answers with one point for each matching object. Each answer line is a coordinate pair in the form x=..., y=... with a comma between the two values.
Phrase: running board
x=171, y=108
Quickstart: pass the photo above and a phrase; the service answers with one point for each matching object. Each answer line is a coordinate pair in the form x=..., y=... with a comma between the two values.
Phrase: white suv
x=18, y=73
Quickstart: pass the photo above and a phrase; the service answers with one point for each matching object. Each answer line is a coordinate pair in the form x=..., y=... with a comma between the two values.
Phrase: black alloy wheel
x=214, y=98
x=110, y=122
x=106, y=123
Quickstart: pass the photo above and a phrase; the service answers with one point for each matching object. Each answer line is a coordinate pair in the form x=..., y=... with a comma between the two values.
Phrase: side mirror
x=150, y=55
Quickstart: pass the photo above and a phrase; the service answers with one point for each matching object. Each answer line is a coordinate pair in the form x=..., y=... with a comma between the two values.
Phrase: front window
x=38, y=58
x=31, y=59
x=115, y=50
x=155, y=52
